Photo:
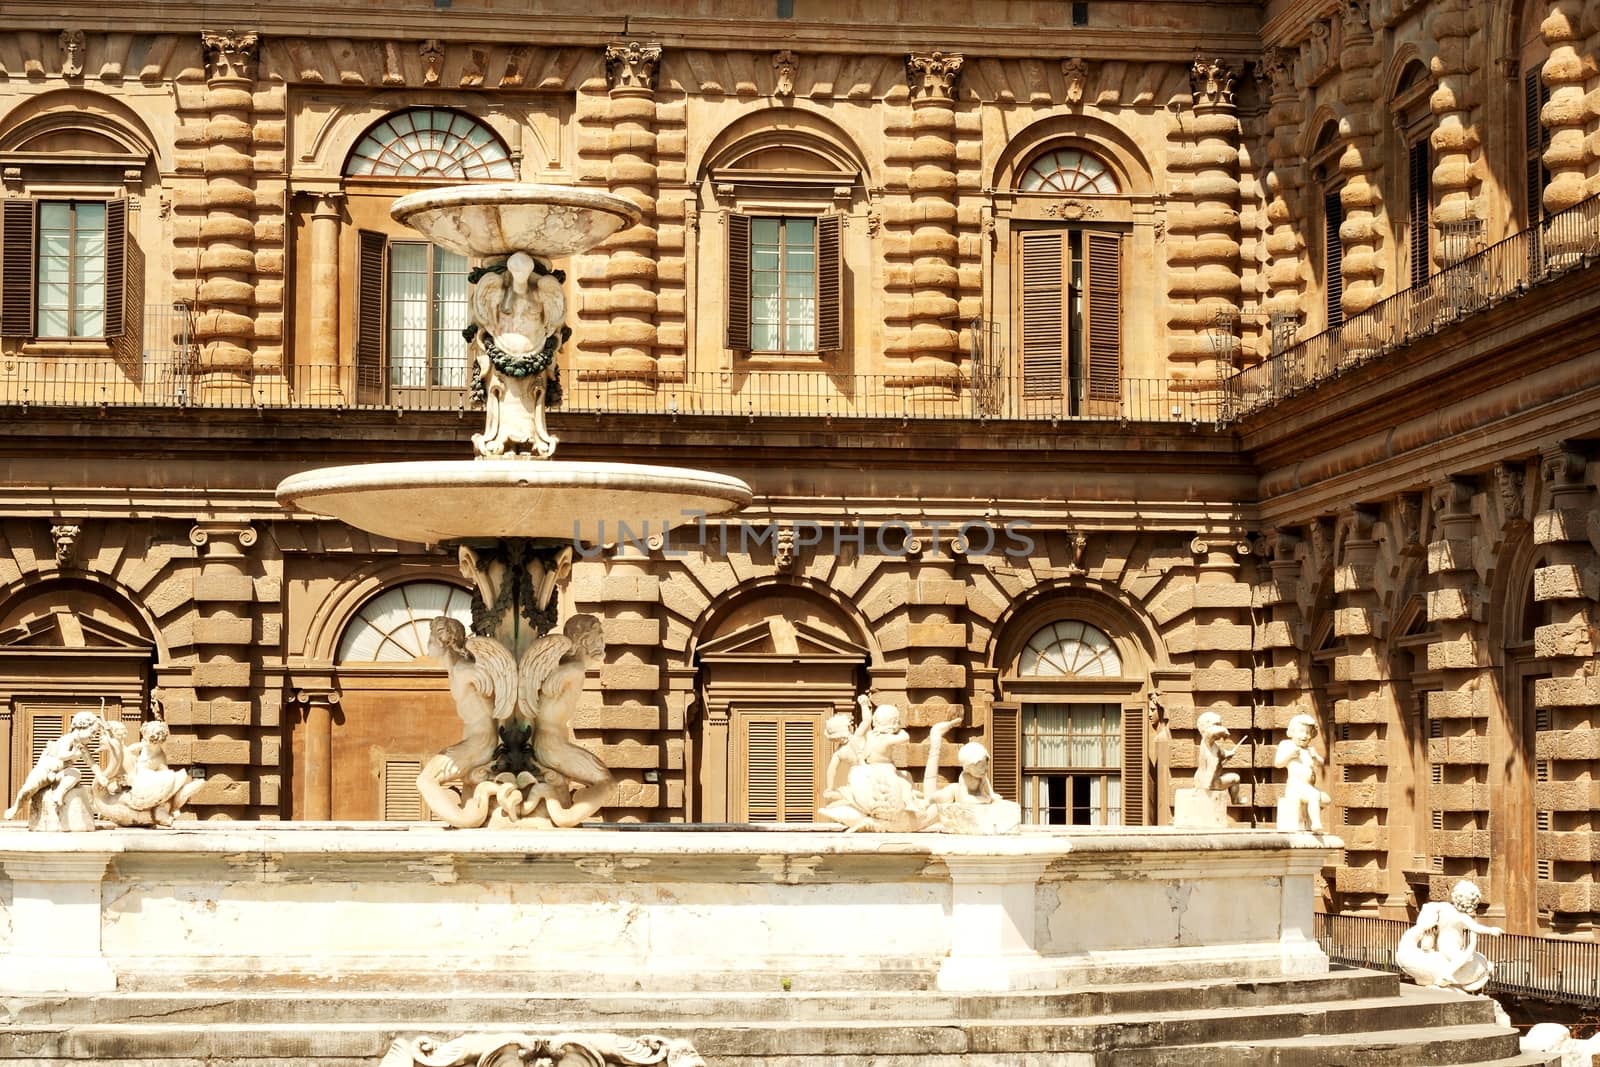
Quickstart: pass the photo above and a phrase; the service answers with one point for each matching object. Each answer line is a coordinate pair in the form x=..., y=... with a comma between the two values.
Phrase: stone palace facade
x=1095, y=365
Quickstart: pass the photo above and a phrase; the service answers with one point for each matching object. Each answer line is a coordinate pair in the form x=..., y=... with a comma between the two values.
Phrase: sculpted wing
x=538, y=661
x=499, y=669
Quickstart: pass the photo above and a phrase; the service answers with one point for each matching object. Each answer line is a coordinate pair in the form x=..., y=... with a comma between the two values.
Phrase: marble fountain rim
x=509, y=497
x=417, y=210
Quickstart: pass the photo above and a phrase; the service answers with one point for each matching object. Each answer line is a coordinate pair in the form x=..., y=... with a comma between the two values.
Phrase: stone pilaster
x=222, y=678
x=620, y=298
x=1279, y=633
x=1360, y=751
x=922, y=347
x=1362, y=198
x=1285, y=182
x=936, y=641
x=1203, y=232
x=225, y=326
x=1567, y=529
x=1207, y=623
x=1460, y=707
x=1455, y=139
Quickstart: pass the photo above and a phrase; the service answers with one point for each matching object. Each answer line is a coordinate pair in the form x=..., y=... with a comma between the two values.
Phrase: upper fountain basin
x=497, y=219
x=431, y=501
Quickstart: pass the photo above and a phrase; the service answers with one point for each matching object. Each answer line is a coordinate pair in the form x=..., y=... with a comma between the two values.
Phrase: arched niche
x=775, y=662
x=1106, y=142
x=81, y=127
x=67, y=646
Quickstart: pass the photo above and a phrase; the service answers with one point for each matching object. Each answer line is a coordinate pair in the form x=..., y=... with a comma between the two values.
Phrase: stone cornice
x=1287, y=22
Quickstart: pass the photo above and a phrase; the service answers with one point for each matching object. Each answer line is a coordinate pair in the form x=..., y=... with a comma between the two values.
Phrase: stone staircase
x=1344, y=1019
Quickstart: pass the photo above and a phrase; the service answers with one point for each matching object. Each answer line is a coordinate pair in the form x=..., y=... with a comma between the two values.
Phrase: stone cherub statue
x=1300, y=807
x=1206, y=803
x=517, y=762
x=1441, y=949
x=55, y=790
x=865, y=790
x=137, y=787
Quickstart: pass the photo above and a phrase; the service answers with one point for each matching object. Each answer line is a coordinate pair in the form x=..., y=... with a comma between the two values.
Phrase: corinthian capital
x=231, y=55
x=1278, y=65
x=1356, y=16
x=1211, y=81
x=633, y=65
x=933, y=75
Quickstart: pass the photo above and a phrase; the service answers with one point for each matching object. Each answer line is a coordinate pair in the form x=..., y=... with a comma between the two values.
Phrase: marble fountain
x=527, y=938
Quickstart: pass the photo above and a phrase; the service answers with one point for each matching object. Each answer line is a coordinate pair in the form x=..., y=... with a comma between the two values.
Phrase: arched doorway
x=773, y=668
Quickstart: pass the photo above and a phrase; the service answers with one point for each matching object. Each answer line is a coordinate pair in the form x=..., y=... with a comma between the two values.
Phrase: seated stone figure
x=60, y=798
x=138, y=787
x=968, y=805
x=1441, y=950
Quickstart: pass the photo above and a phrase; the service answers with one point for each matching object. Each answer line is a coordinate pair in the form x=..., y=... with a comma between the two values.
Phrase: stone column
x=1568, y=529
x=922, y=354
x=628, y=296
x=1462, y=703
x=1359, y=754
x=322, y=377
x=1567, y=116
x=1455, y=138
x=1278, y=631
x=1285, y=182
x=224, y=329
x=224, y=630
x=1363, y=229
x=1203, y=234
x=316, y=708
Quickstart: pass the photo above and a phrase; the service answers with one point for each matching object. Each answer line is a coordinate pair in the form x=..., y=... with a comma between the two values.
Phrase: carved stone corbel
x=1076, y=71
x=1077, y=541
x=1509, y=481
x=72, y=48
x=786, y=66
x=1408, y=523
x=65, y=536
x=784, y=557
x=432, y=53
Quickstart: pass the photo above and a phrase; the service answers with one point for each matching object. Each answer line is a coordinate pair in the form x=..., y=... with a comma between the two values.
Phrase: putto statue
x=517, y=309
x=518, y=762
x=129, y=785
x=1300, y=807
x=1441, y=950
x=865, y=790
x=137, y=787
x=562, y=1050
x=1206, y=803
x=55, y=790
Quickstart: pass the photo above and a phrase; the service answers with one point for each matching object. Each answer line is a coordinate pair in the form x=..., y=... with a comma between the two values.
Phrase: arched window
x=430, y=143
x=1069, y=649
x=392, y=627
x=1067, y=170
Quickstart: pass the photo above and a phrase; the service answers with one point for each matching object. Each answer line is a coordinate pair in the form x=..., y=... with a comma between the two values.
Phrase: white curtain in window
x=72, y=269
x=408, y=314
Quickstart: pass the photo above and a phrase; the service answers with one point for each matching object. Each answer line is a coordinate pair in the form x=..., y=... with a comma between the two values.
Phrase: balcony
x=1564, y=242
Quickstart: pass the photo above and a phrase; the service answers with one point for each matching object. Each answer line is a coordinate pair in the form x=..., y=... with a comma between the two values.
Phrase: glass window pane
x=800, y=337
x=764, y=336
x=800, y=285
x=800, y=233
x=764, y=232
x=91, y=217
x=55, y=215
x=764, y=259
x=89, y=322
x=764, y=283
x=53, y=322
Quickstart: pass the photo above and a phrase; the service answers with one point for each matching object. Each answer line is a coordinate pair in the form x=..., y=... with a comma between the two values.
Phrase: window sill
x=66, y=348
x=785, y=360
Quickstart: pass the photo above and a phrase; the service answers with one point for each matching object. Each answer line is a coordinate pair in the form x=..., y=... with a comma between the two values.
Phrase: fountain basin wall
x=308, y=906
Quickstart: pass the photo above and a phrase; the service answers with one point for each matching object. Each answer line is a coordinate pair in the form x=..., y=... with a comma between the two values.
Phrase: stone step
x=1440, y=1046
x=560, y=1008
x=1360, y=1028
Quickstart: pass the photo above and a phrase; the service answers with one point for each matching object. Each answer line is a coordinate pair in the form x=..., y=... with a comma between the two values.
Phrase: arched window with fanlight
x=392, y=627
x=411, y=295
x=1070, y=268
x=1066, y=744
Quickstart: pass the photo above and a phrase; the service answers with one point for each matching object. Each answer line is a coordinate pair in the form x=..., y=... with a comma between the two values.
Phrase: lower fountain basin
x=434, y=501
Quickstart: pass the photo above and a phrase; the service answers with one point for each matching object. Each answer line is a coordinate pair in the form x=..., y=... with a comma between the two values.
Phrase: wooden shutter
x=738, y=281
x=399, y=800
x=1536, y=138
x=763, y=769
x=830, y=284
x=1421, y=209
x=1044, y=311
x=1333, y=256
x=1104, y=314
x=116, y=267
x=370, y=279
x=1005, y=750
x=799, y=770
x=16, y=269
x=1135, y=771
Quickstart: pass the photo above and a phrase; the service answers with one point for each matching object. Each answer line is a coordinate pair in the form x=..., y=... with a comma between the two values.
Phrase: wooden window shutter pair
x=780, y=761
x=830, y=282
x=1047, y=311
x=370, y=288
x=19, y=265
x=1536, y=138
x=1333, y=255
x=1005, y=750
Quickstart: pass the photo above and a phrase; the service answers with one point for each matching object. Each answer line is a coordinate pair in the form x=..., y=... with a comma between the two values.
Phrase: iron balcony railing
x=60, y=382
x=1546, y=968
x=1561, y=243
